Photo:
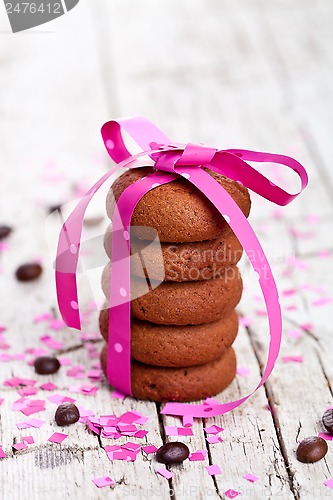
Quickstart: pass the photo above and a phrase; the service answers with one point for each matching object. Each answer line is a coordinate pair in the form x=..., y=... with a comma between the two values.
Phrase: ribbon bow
x=171, y=160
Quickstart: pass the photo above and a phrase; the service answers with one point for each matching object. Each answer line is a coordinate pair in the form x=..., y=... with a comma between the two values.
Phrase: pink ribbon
x=171, y=161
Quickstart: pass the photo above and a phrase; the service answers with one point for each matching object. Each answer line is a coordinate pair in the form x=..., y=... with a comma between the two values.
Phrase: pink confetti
x=295, y=262
x=197, y=456
x=326, y=436
x=1, y=401
x=65, y=361
x=251, y=478
x=329, y=483
x=312, y=218
x=322, y=302
x=141, y=434
x=86, y=389
x=17, y=381
x=306, y=326
x=211, y=402
x=291, y=307
x=324, y=254
x=165, y=473
x=100, y=482
x=57, y=437
x=214, y=439
x=118, y=395
x=20, y=446
x=288, y=292
x=28, y=439
x=49, y=386
x=178, y=431
x=301, y=234
x=28, y=391
x=58, y=399
x=241, y=370
x=51, y=342
x=245, y=320
x=35, y=422
x=213, y=470
x=22, y=425
x=2, y=453
x=292, y=359
x=131, y=446
x=57, y=324
x=43, y=317
x=231, y=493
x=213, y=429
x=149, y=449
x=294, y=333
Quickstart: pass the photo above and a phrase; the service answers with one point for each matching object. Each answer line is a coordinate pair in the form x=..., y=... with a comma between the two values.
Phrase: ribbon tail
x=244, y=232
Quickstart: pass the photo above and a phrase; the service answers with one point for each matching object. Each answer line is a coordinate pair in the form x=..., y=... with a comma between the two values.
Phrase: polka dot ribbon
x=171, y=160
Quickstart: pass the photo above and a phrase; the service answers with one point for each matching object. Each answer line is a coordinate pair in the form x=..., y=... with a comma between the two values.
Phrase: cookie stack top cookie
x=178, y=211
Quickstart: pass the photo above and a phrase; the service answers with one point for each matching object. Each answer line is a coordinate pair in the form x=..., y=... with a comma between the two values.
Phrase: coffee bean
x=29, y=272
x=172, y=453
x=5, y=231
x=54, y=208
x=44, y=365
x=311, y=449
x=67, y=414
x=328, y=420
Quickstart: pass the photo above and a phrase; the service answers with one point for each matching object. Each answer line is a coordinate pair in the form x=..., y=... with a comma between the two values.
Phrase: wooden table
x=250, y=74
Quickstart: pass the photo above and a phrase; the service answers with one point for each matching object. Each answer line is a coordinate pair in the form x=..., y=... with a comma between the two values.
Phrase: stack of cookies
x=182, y=328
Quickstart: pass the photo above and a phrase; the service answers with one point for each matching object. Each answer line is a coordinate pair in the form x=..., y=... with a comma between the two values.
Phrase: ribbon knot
x=171, y=160
x=175, y=155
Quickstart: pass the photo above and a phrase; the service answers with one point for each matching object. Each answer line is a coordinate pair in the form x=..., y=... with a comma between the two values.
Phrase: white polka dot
x=73, y=248
x=257, y=274
x=123, y=292
x=126, y=235
x=227, y=218
x=109, y=144
x=272, y=184
x=118, y=347
x=156, y=185
x=74, y=304
x=186, y=175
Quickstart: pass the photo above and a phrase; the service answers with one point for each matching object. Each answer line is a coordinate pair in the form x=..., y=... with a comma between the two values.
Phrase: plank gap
x=293, y=485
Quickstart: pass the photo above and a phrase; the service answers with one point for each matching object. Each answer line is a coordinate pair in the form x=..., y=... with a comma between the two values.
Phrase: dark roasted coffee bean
x=311, y=449
x=172, y=453
x=54, y=208
x=5, y=231
x=328, y=420
x=44, y=365
x=67, y=414
x=29, y=272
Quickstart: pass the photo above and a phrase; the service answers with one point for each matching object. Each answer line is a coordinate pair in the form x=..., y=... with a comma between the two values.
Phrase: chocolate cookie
x=188, y=303
x=181, y=261
x=174, y=346
x=155, y=383
x=177, y=210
